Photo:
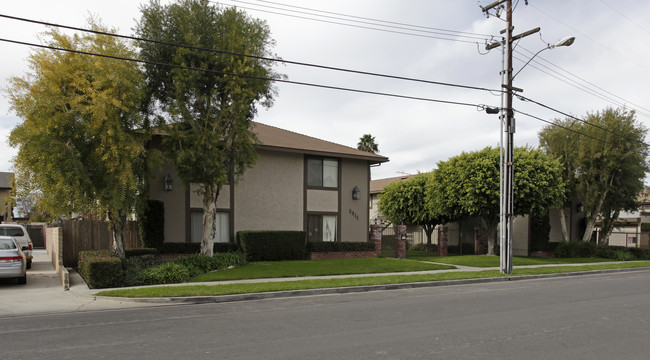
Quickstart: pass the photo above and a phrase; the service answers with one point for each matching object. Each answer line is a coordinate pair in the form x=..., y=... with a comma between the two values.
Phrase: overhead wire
x=325, y=67
x=340, y=88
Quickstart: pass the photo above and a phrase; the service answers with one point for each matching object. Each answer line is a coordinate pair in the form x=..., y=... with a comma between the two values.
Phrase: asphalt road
x=587, y=317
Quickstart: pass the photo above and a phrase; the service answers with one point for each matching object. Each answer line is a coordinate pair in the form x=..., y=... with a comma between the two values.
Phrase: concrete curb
x=354, y=289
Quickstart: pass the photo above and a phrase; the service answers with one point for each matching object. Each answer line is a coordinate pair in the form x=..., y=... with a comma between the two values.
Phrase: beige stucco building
x=298, y=183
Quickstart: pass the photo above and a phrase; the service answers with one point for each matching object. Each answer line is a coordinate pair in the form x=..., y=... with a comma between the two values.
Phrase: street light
x=507, y=155
x=567, y=41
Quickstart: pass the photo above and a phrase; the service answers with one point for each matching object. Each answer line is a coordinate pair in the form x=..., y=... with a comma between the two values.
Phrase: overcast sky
x=433, y=40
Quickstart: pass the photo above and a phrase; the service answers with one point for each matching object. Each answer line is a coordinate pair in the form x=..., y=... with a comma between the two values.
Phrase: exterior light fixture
x=580, y=208
x=356, y=193
x=567, y=41
x=168, y=183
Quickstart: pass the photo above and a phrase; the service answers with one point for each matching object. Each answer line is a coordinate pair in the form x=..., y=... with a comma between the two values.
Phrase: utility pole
x=507, y=153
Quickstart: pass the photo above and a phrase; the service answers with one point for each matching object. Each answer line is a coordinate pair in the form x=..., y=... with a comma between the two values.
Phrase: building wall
x=175, y=203
x=270, y=195
x=354, y=213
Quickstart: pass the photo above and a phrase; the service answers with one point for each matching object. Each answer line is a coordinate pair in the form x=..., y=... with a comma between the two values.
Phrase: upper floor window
x=322, y=172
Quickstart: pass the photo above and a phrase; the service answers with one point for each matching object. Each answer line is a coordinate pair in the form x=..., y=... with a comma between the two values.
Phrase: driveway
x=44, y=293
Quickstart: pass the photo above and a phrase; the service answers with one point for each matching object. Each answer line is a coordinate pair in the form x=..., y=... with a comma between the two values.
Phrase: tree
x=77, y=143
x=607, y=160
x=209, y=98
x=468, y=185
x=367, y=143
x=407, y=202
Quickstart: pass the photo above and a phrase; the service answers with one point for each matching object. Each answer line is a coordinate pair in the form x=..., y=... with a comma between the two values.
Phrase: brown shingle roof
x=377, y=186
x=273, y=138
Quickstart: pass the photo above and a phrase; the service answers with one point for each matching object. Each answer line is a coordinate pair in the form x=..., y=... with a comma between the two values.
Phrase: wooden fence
x=93, y=235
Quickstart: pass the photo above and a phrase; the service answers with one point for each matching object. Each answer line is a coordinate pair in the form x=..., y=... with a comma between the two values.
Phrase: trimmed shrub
x=640, y=253
x=135, y=252
x=100, y=269
x=226, y=260
x=622, y=255
x=339, y=246
x=201, y=264
x=167, y=273
x=180, y=248
x=225, y=247
x=133, y=268
x=152, y=224
x=576, y=249
x=272, y=245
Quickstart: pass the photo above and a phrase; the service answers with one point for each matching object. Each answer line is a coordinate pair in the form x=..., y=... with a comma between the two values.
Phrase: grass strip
x=230, y=289
x=484, y=261
x=299, y=268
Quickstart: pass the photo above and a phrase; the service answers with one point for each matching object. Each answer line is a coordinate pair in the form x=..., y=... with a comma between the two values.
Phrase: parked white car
x=19, y=233
x=12, y=260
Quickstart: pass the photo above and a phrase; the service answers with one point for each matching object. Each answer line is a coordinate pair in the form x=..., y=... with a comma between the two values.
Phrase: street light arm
x=567, y=41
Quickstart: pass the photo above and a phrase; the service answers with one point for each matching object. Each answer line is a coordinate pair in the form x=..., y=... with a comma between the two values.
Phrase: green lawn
x=227, y=289
x=484, y=261
x=300, y=268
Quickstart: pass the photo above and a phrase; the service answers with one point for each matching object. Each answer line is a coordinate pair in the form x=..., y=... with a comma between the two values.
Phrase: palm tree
x=367, y=143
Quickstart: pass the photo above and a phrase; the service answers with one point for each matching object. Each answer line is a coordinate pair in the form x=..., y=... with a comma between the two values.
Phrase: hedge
x=339, y=246
x=100, y=268
x=135, y=252
x=272, y=245
x=589, y=249
x=195, y=248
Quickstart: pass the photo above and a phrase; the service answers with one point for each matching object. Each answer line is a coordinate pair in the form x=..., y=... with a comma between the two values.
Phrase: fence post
x=375, y=236
x=400, y=246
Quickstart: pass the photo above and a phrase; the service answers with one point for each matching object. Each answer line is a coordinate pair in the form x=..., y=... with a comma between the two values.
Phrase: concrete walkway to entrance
x=44, y=293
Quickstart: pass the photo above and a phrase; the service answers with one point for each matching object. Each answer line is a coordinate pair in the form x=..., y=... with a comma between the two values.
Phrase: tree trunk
x=209, y=224
x=117, y=231
x=491, y=232
x=563, y=225
x=428, y=230
x=608, y=227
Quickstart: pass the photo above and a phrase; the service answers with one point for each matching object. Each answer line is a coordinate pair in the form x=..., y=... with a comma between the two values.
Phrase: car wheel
x=22, y=280
x=29, y=264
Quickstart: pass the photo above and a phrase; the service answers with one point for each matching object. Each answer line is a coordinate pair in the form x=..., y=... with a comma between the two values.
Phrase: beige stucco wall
x=322, y=200
x=175, y=206
x=270, y=195
x=354, y=213
x=223, y=201
x=520, y=235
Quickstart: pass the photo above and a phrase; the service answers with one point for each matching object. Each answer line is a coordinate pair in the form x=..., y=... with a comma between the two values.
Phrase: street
x=584, y=317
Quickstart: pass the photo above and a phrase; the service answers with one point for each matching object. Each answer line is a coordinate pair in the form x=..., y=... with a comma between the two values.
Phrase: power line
x=369, y=92
x=373, y=21
x=352, y=24
x=577, y=132
x=134, y=38
x=523, y=98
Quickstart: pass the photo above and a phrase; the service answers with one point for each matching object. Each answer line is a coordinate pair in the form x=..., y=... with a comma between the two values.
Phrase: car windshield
x=11, y=231
x=7, y=244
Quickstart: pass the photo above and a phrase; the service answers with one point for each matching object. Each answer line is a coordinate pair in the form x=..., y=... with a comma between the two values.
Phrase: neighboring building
x=629, y=230
x=298, y=183
x=5, y=194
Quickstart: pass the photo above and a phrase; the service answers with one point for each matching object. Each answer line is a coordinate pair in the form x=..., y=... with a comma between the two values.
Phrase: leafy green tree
x=209, y=98
x=468, y=185
x=607, y=161
x=409, y=202
x=77, y=143
x=367, y=143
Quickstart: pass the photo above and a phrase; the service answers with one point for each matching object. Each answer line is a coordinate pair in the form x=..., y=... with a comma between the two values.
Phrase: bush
x=226, y=260
x=272, y=245
x=100, y=269
x=167, y=273
x=133, y=268
x=225, y=247
x=201, y=264
x=135, y=252
x=576, y=249
x=152, y=224
x=180, y=248
x=622, y=255
x=640, y=253
x=340, y=246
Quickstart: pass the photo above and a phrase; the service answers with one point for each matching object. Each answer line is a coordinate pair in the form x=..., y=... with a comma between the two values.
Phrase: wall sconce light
x=356, y=193
x=580, y=208
x=169, y=183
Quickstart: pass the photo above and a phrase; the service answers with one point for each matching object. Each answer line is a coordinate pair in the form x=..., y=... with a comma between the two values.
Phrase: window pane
x=314, y=226
x=330, y=173
x=329, y=227
x=222, y=221
x=196, y=226
x=314, y=172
